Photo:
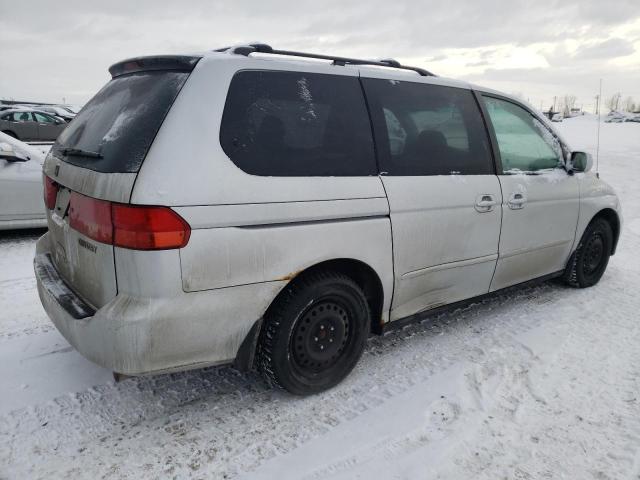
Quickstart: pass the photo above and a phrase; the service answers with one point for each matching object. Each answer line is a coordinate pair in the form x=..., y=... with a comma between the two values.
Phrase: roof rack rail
x=246, y=50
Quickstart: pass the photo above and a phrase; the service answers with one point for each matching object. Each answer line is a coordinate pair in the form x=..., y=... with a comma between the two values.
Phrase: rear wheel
x=588, y=263
x=314, y=333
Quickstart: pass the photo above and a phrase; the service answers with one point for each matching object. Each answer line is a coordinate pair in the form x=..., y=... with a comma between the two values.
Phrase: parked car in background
x=16, y=107
x=30, y=124
x=21, y=199
x=615, y=117
x=73, y=108
x=256, y=207
x=633, y=118
x=61, y=112
x=558, y=117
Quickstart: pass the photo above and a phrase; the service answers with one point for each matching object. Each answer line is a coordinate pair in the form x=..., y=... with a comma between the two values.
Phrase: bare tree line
x=616, y=102
x=565, y=103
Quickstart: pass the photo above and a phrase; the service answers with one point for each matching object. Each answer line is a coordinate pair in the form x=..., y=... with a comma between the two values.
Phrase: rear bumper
x=141, y=335
x=50, y=280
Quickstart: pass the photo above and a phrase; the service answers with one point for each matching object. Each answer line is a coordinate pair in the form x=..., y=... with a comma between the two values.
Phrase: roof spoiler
x=180, y=63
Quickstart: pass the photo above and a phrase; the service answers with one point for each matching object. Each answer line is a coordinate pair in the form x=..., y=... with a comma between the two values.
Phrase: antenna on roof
x=598, y=141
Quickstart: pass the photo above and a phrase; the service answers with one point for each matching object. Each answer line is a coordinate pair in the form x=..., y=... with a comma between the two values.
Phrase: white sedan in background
x=21, y=202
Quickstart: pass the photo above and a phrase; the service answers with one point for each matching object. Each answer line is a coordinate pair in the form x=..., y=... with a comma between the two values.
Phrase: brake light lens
x=91, y=217
x=136, y=227
x=148, y=228
x=50, y=193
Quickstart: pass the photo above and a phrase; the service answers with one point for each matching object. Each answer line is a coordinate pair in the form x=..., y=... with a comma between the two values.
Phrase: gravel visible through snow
x=536, y=382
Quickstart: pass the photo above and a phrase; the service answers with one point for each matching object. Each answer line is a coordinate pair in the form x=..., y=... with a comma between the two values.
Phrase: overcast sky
x=52, y=50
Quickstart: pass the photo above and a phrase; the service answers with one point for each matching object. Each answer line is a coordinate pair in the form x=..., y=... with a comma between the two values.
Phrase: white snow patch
x=121, y=123
x=303, y=91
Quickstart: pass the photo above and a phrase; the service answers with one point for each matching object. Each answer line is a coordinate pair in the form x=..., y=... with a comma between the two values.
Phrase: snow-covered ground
x=540, y=382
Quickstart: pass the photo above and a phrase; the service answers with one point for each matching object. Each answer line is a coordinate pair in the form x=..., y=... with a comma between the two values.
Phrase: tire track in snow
x=571, y=431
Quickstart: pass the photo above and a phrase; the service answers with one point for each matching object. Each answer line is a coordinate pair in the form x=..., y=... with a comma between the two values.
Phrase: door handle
x=485, y=203
x=517, y=201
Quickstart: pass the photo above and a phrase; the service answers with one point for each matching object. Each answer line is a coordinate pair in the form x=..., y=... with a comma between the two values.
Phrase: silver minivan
x=273, y=208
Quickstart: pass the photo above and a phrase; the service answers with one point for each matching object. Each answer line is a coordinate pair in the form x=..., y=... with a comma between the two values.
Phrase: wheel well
x=366, y=278
x=10, y=133
x=612, y=217
x=361, y=273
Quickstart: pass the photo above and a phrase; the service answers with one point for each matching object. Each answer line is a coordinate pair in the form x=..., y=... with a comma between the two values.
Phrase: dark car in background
x=28, y=124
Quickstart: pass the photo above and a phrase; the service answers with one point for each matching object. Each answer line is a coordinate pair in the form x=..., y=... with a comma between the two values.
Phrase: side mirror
x=581, y=161
x=8, y=153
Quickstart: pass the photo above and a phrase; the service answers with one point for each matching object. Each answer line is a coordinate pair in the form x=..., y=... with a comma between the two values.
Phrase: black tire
x=11, y=134
x=314, y=333
x=588, y=263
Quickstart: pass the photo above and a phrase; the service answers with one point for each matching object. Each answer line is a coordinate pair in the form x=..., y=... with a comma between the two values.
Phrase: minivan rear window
x=279, y=123
x=120, y=121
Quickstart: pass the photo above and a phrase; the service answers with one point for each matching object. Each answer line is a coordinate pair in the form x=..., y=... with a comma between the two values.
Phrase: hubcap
x=593, y=254
x=320, y=336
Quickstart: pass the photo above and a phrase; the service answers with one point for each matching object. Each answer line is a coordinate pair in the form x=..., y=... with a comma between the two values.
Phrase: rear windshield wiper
x=78, y=152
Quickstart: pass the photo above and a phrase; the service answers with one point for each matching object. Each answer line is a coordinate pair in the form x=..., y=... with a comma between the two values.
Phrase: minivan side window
x=278, y=123
x=424, y=129
x=525, y=144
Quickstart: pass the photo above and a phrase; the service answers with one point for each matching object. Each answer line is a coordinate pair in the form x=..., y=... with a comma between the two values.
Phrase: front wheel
x=315, y=333
x=588, y=263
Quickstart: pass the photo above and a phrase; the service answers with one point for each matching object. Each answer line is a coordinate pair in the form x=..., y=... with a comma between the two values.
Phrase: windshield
x=121, y=121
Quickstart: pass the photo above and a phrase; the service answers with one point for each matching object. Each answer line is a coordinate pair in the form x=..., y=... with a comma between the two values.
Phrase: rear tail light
x=148, y=228
x=136, y=227
x=50, y=193
x=91, y=217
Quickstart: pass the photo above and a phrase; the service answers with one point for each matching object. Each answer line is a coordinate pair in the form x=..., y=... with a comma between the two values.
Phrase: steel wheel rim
x=594, y=254
x=321, y=336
